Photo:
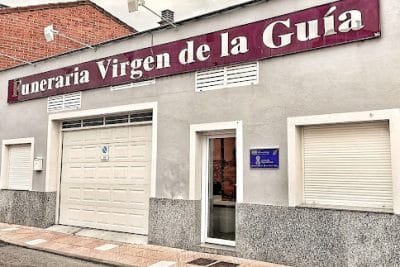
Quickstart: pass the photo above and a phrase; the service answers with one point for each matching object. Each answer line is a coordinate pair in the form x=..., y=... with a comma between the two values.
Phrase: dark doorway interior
x=222, y=188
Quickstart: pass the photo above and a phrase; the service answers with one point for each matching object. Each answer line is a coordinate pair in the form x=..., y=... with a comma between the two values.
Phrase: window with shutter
x=19, y=167
x=348, y=165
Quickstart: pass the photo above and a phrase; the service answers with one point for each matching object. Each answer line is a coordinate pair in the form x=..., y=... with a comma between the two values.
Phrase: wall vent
x=64, y=102
x=231, y=76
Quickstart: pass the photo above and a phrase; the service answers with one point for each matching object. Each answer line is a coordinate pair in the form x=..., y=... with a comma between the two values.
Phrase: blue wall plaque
x=264, y=158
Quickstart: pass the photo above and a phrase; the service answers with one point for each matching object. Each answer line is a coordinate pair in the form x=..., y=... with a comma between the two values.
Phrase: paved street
x=98, y=250
x=17, y=256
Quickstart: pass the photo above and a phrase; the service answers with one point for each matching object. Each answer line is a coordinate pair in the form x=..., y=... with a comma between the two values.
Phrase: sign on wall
x=105, y=152
x=264, y=158
x=322, y=26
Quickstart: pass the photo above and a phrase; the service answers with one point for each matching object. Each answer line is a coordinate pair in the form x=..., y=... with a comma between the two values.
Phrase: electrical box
x=38, y=164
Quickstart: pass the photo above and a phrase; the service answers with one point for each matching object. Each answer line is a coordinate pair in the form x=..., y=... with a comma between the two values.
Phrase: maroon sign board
x=317, y=27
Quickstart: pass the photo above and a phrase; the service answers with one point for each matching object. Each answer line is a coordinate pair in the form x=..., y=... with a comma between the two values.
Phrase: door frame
x=198, y=132
x=55, y=138
x=205, y=190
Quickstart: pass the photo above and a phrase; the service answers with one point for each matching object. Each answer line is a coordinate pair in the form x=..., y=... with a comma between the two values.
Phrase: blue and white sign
x=264, y=158
x=104, y=152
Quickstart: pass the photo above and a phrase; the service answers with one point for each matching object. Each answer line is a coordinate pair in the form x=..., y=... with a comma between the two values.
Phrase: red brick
x=21, y=30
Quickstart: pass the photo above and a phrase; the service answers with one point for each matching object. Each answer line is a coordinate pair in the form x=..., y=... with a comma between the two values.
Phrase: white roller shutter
x=20, y=167
x=348, y=165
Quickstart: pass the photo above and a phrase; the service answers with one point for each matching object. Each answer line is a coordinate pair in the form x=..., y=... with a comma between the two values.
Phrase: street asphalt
x=11, y=256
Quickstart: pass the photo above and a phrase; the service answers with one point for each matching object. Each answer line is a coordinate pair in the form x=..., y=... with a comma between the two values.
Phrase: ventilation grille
x=138, y=117
x=103, y=121
x=232, y=76
x=116, y=119
x=64, y=102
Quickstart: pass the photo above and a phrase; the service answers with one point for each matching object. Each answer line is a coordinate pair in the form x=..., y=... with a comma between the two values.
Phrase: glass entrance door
x=221, y=190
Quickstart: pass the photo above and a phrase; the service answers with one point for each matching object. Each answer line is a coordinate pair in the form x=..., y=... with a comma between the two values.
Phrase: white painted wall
x=354, y=77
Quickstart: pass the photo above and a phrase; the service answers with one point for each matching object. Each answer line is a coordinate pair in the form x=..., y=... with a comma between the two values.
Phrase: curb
x=69, y=255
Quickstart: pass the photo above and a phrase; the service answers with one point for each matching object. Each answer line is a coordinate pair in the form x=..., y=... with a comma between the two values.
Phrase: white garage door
x=348, y=165
x=108, y=194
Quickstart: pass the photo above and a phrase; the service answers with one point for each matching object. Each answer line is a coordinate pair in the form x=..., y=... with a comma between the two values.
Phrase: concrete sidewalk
x=114, y=253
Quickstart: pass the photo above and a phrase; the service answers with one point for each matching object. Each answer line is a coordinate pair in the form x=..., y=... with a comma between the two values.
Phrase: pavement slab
x=16, y=256
x=113, y=252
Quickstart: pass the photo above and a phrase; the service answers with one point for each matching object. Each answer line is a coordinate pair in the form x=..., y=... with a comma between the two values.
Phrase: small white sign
x=105, y=152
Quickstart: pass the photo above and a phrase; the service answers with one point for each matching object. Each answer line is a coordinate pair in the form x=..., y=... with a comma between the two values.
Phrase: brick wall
x=21, y=30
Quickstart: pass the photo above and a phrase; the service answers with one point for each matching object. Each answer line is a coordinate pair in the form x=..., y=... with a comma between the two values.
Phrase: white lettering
x=115, y=68
x=225, y=44
x=186, y=56
x=67, y=80
x=329, y=22
x=34, y=87
x=59, y=82
x=203, y=52
x=312, y=30
x=17, y=88
x=268, y=36
x=76, y=75
x=239, y=45
x=136, y=73
x=124, y=66
x=50, y=83
x=42, y=85
x=25, y=89
x=103, y=69
x=84, y=77
x=277, y=34
x=163, y=61
x=352, y=21
x=148, y=63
